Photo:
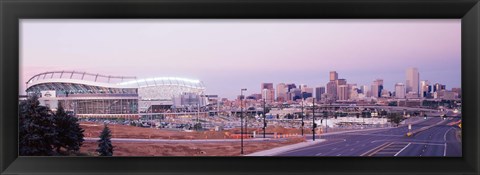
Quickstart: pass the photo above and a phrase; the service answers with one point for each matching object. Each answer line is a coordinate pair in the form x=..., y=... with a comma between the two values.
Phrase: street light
x=313, y=119
x=241, y=119
x=264, y=116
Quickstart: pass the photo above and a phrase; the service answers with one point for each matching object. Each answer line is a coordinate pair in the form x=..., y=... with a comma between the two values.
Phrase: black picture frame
x=13, y=10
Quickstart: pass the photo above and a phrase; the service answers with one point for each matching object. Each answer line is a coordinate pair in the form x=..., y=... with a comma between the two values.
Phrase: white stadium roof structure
x=88, y=83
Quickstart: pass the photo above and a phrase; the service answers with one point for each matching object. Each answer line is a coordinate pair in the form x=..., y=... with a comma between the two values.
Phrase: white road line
x=445, y=135
x=445, y=150
x=339, y=154
x=318, y=154
x=402, y=149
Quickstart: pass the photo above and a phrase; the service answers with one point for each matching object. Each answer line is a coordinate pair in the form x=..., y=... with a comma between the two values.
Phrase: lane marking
x=374, y=149
x=402, y=149
x=445, y=150
x=339, y=154
x=318, y=154
x=445, y=135
x=380, y=149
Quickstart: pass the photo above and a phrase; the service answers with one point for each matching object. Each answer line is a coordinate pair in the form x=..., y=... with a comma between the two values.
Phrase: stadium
x=104, y=96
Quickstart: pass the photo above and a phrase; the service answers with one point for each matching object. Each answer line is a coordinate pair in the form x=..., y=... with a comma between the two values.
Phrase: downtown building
x=332, y=85
x=412, y=83
x=105, y=96
x=400, y=90
x=268, y=92
x=319, y=91
x=377, y=88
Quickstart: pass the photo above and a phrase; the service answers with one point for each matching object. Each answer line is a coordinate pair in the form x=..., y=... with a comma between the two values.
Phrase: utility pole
x=313, y=119
x=264, y=117
x=241, y=119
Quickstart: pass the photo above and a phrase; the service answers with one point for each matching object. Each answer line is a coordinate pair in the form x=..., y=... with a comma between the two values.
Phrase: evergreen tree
x=37, y=132
x=395, y=118
x=70, y=135
x=105, y=147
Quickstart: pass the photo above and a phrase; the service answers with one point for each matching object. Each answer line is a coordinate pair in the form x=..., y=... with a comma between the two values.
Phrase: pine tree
x=395, y=118
x=105, y=147
x=70, y=135
x=37, y=132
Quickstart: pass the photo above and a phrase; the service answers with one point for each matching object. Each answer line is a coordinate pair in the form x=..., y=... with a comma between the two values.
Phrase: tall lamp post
x=264, y=117
x=313, y=119
x=241, y=119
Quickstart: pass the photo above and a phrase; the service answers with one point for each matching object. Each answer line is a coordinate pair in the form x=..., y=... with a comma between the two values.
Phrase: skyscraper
x=377, y=87
x=332, y=85
x=425, y=88
x=333, y=75
x=332, y=89
x=399, y=90
x=318, y=92
x=343, y=92
x=412, y=84
x=268, y=95
x=268, y=92
x=282, y=92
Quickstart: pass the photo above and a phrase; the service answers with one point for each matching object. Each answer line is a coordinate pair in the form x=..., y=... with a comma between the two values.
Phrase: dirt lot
x=180, y=149
x=125, y=131
x=188, y=149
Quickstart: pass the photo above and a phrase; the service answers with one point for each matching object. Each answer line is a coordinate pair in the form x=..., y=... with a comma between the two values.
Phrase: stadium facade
x=104, y=96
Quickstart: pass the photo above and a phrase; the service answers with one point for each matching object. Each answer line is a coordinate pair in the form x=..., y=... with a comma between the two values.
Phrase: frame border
x=13, y=10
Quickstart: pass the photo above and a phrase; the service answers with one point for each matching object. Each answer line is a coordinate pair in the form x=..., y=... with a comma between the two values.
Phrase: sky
x=228, y=55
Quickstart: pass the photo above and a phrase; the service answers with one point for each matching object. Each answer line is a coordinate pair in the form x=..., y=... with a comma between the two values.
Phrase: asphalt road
x=439, y=140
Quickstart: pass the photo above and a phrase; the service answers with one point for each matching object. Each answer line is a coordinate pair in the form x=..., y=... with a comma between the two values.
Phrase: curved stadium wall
x=102, y=96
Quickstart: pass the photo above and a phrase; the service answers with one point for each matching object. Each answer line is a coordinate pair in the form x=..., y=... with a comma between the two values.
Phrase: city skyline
x=200, y=48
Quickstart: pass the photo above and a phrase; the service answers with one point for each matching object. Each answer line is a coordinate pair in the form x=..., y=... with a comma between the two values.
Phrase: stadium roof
x=109, y=81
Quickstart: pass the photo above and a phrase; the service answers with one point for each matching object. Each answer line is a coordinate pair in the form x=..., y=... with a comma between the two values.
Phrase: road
x=439, y=140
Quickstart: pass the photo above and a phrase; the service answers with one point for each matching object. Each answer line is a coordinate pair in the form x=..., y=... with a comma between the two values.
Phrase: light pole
x=241, y=119
x=313, y=119
x=264, y=116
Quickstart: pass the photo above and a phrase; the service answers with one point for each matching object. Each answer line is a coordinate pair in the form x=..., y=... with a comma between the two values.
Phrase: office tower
x=424, y=88
x=332, y=89
x=333, y=75
x=338, y=83
x=377, y=87
x=307, y=92
x=341, y=82
x=282, y=92
x=295, y=94
x=354, y=91
x=412, y=81
x=268, y=92
x=343, y=92
x=266, y=86
x=318, y=92
x=268, y=95
x=291, y=86
x=399, y=90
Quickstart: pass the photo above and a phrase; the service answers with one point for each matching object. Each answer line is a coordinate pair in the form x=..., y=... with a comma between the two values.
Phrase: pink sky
x=232, y=54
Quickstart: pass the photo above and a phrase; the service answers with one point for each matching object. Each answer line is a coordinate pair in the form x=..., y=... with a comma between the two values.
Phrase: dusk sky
x=228, y=55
